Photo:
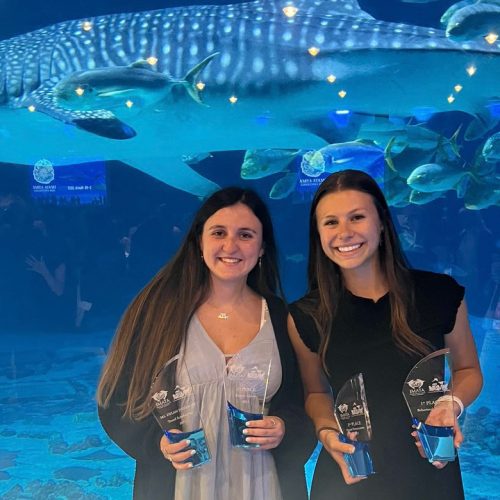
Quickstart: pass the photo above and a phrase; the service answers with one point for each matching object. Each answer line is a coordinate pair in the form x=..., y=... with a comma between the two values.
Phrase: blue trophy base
x=198, y=443
x=360, y=462
x=237, y=419
x=437, y=442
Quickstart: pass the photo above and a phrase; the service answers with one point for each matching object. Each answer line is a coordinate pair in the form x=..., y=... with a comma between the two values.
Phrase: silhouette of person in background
x=34, y=267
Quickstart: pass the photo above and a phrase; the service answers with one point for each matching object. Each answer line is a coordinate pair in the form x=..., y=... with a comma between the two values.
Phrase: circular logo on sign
x=43, y=172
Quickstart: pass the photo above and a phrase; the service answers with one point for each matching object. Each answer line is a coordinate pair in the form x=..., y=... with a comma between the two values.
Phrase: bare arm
x=319, y=402
x=54, y=281
x=467, y=377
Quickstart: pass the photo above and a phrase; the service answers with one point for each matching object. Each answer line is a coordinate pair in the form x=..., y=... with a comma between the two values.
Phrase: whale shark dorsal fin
x=189, y=79
x=319, y=7
x=141, y=64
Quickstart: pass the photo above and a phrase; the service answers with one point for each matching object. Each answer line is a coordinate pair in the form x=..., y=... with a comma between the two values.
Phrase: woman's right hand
x=330, y=440
x=176, y=453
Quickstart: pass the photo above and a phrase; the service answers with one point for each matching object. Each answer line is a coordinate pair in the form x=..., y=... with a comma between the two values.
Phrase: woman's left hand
x=267, y=432
x=441, y=416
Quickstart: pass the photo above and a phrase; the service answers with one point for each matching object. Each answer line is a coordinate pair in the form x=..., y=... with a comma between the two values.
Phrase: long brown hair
x=325, y=282
x=154, y=325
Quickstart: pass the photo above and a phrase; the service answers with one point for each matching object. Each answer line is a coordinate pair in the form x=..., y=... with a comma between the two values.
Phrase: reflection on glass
x=177, y=411
x=353, y=418
x=428, y=393
x=246, y=379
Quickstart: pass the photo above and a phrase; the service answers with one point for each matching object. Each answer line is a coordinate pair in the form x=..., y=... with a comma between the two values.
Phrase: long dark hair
x=325, y=282
x=155, y=323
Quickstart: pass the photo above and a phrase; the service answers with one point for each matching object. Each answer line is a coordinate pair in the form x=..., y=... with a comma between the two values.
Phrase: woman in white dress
x=215, y=299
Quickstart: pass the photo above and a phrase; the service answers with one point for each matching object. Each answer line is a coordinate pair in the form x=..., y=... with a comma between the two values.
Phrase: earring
x=260, y=262
x=201, y=254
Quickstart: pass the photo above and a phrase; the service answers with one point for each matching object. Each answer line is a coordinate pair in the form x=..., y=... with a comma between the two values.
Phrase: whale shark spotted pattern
x=263, y=88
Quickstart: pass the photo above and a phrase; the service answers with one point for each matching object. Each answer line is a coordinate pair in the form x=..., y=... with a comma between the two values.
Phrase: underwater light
x=233, y=99
x=290, y=10
x=200, y=85
x=494, y=109
x=458, y=88
x=342, y=112
x=129, y=103
x=491, y=38
x=86, y=25
x=79, y=91
x=471, y=70
x=342, y=94
x=450, y=98
x=331, y=78
x=152, y=60
x=314, y=51
x=31, y=108
x=422, y=113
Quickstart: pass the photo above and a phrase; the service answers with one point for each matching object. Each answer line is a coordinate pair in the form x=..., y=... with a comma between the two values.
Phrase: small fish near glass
x=428, y=394
x=353, y=418
x=177, y=411
x=246, y=378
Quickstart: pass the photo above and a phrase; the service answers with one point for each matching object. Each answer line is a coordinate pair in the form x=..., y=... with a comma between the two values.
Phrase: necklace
x=223, y=315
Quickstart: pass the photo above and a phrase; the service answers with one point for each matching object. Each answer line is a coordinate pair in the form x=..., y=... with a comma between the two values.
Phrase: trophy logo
x=161, y=399
x=416, y=387
x=356, y=409
x=255, y=374
x=181, y=392
x=344, y=411
x=343, y=408
x=236, y=370
x=438, y=385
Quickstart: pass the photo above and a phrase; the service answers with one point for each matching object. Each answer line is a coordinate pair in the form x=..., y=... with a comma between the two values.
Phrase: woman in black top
x=366, y=311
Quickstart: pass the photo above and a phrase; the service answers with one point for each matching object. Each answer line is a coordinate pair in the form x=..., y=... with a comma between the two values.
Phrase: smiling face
x=231, y=243
x=349, y=228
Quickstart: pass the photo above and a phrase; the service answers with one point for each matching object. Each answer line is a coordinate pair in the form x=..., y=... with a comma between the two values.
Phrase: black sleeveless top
x=361, y=341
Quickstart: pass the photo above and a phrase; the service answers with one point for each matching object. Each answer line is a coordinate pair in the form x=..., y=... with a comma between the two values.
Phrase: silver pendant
x=223, y=316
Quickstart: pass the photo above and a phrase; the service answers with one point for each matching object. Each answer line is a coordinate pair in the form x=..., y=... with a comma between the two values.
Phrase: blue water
x=52, y=445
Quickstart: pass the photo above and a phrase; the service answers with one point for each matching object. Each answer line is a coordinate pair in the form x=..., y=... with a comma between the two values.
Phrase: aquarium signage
x=311, y=169
x=81, y=184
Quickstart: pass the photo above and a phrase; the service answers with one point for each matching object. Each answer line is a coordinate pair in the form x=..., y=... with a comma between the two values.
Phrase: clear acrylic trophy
x=246, y=379
x=353, y=418
x=176, y=409
x=427, y=392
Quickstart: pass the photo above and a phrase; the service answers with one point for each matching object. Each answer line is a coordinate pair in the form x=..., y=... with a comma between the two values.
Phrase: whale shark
x=276, y=72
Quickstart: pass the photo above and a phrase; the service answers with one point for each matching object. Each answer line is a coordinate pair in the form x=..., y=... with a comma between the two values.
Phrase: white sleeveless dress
x=232, y=473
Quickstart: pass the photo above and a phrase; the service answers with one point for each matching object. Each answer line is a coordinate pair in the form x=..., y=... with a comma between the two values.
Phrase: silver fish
x=433, y=177
x=259, y=92
x=284, y=186
x=112, y=87
x=484, y=194
x=474, y=20
x=491, y=149
x=264, y=162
